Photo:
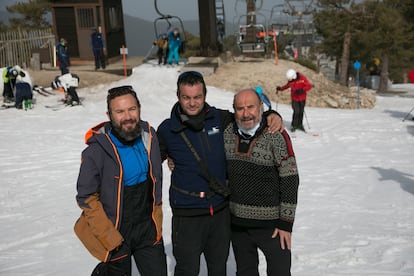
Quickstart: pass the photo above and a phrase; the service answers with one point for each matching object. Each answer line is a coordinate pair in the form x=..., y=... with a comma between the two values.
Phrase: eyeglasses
x=190, y=73
x=125, y=89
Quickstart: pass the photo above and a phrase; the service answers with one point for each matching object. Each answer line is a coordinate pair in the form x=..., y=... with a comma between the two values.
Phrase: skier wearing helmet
x=299, y=86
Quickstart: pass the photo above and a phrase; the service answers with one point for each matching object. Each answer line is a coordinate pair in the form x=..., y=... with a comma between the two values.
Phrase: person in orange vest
x=299, y=86
x=162, y=52
x=260, y=36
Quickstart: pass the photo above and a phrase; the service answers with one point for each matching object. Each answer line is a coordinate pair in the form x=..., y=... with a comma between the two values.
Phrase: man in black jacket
x=97, y=44
x=193, y=139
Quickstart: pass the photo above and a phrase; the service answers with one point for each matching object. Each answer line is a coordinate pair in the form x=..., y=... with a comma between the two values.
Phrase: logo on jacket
x=213, y=130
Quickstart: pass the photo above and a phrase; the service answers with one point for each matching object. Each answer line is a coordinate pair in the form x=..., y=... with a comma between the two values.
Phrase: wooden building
x=74, y=20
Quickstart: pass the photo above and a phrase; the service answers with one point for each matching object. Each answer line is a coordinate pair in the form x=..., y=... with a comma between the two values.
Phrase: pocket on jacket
x=85, y=235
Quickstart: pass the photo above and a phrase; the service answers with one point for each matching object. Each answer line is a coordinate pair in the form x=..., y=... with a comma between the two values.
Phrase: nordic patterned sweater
x=264, y=181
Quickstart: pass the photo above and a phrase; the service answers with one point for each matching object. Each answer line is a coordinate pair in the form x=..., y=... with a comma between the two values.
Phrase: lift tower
x=209, y=44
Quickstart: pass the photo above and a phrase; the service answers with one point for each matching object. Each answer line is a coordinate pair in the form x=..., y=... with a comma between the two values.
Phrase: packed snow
x=355, y=212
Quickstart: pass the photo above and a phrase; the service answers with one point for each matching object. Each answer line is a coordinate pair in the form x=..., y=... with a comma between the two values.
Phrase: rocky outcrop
x=238, y=74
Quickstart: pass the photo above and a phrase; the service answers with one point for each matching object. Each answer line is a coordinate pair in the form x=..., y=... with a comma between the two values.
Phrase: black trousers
x=73, y=94
x=246, y=242
x=192, y=236
x=98, y=53
x=23, y=92
x=8, y=88
x=63, y=66
x=162, y=57
x=139, y=233
x=298, y=110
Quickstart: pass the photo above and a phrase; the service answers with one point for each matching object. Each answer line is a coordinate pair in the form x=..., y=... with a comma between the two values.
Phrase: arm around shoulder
x=162, y=143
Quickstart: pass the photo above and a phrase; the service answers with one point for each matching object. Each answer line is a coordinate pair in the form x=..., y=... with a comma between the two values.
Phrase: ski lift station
x=256, y=28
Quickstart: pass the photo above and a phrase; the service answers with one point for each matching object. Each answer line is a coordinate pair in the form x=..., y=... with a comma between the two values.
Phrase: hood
x=101, y=128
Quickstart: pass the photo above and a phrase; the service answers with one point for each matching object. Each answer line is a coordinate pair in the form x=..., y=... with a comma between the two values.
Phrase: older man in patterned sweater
x=264, y=181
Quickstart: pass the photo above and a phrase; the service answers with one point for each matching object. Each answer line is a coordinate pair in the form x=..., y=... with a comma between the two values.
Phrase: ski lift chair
x=168, y=26
x=258, y=46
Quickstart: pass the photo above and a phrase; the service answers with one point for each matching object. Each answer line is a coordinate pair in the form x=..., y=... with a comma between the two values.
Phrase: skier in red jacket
x=299, y=86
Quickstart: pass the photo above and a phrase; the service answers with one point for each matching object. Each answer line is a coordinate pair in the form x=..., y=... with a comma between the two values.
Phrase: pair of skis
x=6, y=106
x=61, y=106
x=42, y=91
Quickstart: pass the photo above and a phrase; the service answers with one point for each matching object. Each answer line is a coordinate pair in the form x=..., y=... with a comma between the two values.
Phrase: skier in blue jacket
x=62, y=56
x=174, y=43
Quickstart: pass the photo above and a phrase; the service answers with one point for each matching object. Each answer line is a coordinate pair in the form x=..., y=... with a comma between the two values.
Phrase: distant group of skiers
x=68, y=82
x=169, y=45
x=18, y=90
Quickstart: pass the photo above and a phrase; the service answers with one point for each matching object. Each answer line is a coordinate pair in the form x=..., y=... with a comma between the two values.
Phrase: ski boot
x=302, y=128
x=27, y=104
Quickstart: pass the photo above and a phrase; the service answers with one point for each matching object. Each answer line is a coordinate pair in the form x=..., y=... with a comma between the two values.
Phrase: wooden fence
x=18, y=47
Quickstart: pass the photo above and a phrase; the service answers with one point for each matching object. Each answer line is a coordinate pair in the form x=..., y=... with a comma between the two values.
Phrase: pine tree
x=387, y=35
x=367, y=30
x=32, y=14
x=336, y=23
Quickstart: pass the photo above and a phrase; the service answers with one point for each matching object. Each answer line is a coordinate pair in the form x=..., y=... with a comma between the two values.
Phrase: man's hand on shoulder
x=274, y=122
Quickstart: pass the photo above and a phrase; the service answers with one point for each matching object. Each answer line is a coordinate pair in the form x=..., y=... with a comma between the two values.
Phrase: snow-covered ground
x=355, y=211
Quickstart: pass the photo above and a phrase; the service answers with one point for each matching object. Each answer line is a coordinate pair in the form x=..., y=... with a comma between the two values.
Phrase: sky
x=185, y=9
x=355, y=213
x=188, y=9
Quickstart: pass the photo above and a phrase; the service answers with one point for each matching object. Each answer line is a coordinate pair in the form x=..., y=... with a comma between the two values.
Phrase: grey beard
x=250, y=131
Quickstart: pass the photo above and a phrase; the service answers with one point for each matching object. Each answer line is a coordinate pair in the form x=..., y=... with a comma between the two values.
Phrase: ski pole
x=277, y=99
x=408, y=114
x=149, y=53
x=306, y=117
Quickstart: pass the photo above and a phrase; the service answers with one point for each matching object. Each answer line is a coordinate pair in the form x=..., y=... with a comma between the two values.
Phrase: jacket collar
x=176, y=116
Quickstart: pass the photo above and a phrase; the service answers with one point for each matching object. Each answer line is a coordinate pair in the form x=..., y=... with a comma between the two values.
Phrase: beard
x=251, y=130
x=127, y=135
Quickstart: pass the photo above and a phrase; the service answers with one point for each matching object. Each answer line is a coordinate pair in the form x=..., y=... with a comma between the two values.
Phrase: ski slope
x=355, y=211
